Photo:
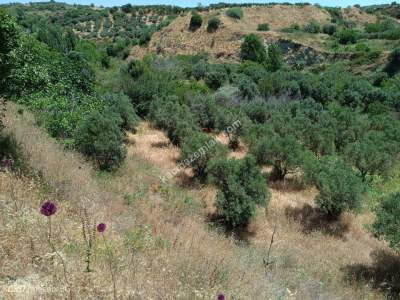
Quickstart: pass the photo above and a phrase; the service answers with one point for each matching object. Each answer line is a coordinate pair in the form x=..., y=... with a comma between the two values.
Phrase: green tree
x=99, y=137
x=371, y=155
x=284, y=153
x=253, y=49
x=121, y=105
x=198, y=149
x=274, y=58
x=238, y=195
x=9, y=37
x=340, y=189
x=387, y=224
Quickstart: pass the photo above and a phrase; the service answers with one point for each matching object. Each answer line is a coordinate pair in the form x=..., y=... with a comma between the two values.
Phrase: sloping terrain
x=225, y=42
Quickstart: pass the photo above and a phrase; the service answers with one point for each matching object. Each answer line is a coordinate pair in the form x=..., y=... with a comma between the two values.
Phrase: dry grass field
x=224, y=44
x=160, y=242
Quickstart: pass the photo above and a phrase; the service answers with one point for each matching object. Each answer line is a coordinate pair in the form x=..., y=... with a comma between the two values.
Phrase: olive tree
x=238, y=195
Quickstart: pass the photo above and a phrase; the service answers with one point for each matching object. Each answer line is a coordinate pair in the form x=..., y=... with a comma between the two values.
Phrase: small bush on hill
x=195, y=21
x=263, y=27
x=99, y=137
x=238, y=195
x=387, y=224
x=347, y=36
x=234, y=12
x=253, y=49
x=329, y=29
x=213, y=24
x=313, y=27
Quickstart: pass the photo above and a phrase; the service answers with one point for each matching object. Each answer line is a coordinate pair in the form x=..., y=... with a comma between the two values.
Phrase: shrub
x=247, y=88
x=213, y=24
x=253, y=49
x=234, y=12
x=283, y=153
x=121, y=105
x=340, y=189
x=329, y=29
x=205, y=109
x=199, y=70
x=347, y=36
x=195, y=21
x=99, y=137
x=393, y=65
x=136, y=68
x=216, y=76
x=274, y=58
x=313, y=27
x=198, y=149
x=263, y=27
x=387, y=224
x=238, y=195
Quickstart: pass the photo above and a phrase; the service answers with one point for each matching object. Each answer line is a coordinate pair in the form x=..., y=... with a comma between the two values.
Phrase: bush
x=199, y=70
x=253, y=49
x=205, y=109
x=313, y=27
x=247, y=88
x=213, y=24
x=136, y=68
x=238, y=195
x=120, y=104
x=197, y=150
x=234, y=12
x=99, y=137
x=340, y=189
x=216, y=76
x=329, y=29
x=347, y=36
x=263, y=27
x=274, y=58
x=195, y=22
x=387, y=224
x=393, y=65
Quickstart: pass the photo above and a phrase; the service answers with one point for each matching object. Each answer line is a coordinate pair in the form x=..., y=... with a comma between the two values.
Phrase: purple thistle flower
x=48, y=208
x=101, y=227
x=6, y=163
x=221, y=297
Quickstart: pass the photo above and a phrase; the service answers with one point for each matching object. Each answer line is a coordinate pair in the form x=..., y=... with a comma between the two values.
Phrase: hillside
x=238, y=152
x=225, y=43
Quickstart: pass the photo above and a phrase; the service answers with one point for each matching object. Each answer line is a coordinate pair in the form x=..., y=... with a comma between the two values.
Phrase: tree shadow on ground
x=161, y=144
x=241, y=234
x=288, y=184
x=313, y=219
x=383, y=274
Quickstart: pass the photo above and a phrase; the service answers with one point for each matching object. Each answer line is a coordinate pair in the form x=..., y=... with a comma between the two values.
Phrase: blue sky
x=189, y=3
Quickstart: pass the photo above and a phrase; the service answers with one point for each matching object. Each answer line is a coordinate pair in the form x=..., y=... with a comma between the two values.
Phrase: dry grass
x=161, y=246
x=224, y=44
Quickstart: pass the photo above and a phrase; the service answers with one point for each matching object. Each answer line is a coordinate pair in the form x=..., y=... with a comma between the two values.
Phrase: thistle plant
x=101, y=229
x=48, y=209
x=88, y=233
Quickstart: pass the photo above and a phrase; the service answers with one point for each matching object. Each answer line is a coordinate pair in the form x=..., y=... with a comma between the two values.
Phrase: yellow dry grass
x=160, y=245
x=224, y=44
